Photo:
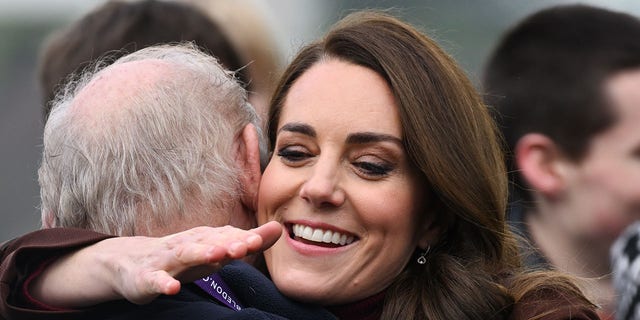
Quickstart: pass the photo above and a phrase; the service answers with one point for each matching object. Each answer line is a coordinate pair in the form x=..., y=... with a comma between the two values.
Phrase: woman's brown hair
x=452, y=140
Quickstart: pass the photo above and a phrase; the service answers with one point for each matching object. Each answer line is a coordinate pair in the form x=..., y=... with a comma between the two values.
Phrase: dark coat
x=21, y=256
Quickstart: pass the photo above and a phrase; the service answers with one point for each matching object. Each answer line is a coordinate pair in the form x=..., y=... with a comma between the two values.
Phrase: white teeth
x=326, y=238
x=335, y=238
x=320, y=235
x=317, y=235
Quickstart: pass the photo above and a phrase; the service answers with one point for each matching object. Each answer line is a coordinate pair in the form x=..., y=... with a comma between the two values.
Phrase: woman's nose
x=322, y=188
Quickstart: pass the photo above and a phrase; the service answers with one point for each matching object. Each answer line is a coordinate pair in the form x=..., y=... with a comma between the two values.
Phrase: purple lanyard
x=215, y=287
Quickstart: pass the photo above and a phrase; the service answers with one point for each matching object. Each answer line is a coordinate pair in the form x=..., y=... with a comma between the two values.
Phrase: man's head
x=161, y=140
x=562, y=84
x=547, y=75
x=120, y=27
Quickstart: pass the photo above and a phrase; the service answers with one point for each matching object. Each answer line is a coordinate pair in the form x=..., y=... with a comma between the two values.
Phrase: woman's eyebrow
x=354, y=138
x=298, y=127
x=368, y=137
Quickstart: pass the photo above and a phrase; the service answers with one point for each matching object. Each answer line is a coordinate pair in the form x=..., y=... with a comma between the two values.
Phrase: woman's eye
x=373, y=169
x=292, y=154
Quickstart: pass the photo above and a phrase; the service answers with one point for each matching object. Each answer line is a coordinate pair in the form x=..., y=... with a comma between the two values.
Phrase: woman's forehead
x=341, y=93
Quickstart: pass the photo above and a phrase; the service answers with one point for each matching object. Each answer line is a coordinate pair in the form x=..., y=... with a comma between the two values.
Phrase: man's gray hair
x=175, y=144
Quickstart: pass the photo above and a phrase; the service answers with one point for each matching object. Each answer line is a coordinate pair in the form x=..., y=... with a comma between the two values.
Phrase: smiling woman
x=340, y=168
x=378, y=137
x=387, y=178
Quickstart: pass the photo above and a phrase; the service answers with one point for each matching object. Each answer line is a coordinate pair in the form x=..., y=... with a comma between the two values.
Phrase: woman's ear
x=429, y=233
x=429, y=237
x=248, y=160
x=542, y=164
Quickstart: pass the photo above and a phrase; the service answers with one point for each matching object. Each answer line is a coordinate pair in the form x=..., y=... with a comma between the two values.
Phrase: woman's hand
x=141, y=268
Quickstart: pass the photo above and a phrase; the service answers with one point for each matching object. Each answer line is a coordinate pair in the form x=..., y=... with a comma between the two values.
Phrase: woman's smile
x=319, y=236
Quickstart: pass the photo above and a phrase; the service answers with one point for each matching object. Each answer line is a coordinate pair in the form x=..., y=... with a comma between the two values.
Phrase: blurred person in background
x=565, y=85
x=249, y=31
x=120, y=27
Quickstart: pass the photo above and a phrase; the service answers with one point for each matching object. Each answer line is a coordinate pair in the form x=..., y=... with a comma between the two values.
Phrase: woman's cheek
x=268, y=192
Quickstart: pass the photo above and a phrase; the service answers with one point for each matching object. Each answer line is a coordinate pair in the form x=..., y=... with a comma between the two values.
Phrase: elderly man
x=160, y=141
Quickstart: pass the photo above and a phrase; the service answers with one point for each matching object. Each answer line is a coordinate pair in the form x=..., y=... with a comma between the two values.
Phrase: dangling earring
x=422, y=258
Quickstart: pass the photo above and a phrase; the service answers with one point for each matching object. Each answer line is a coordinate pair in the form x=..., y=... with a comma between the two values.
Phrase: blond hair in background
x=251, y=34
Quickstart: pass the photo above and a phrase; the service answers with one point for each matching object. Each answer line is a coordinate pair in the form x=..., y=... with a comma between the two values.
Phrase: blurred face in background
x=604, y=188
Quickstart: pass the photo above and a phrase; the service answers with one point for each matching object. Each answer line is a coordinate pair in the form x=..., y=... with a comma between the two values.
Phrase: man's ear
x=248, y=160
x=48, y=220
x=542, y=164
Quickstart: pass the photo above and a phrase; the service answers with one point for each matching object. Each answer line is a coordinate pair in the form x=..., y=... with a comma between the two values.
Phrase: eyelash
x=373, y=169
x=369, y=169
x=291, y=156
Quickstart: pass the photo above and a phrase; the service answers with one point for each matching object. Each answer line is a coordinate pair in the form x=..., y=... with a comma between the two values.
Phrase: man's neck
x=577, y=257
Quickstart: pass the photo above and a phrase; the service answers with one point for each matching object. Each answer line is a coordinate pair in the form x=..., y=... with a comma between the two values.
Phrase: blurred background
x=468, y=29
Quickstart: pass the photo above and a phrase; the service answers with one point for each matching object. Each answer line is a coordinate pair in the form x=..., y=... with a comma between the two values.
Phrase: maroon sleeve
x=26, y=295
x=23, y=256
